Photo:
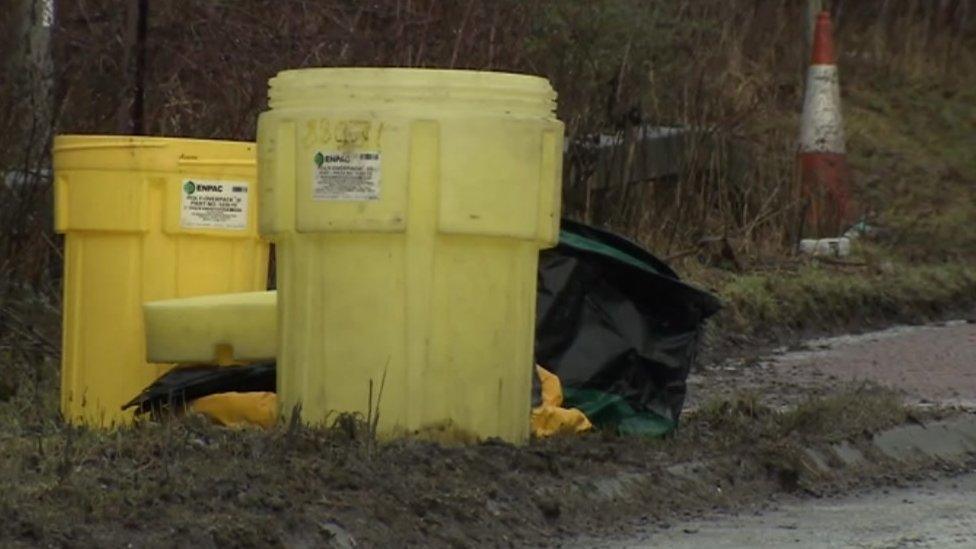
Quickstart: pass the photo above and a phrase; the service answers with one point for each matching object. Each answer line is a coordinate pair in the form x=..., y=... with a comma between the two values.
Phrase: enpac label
x=346, y=175
x=209, y=204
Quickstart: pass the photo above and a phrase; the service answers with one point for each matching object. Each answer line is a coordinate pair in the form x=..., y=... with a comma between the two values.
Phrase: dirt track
x=932, y=364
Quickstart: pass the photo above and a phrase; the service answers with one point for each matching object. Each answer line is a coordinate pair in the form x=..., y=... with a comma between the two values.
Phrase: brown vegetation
x=729, y=72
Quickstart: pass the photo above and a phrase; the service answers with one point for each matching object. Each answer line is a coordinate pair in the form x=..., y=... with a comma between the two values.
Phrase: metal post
x=32, y=70
x=130, y=115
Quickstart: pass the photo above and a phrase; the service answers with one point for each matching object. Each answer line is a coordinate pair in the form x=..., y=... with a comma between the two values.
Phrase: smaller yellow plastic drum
x=144, y=218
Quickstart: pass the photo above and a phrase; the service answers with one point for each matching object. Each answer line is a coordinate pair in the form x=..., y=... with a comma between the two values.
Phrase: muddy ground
x=187, y=482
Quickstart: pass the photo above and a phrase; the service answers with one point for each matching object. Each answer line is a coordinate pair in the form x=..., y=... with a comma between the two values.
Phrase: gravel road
x=930, y=364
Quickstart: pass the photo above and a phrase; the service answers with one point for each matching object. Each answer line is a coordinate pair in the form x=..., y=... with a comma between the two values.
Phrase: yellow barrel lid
x=390, y=87
x=137, y=152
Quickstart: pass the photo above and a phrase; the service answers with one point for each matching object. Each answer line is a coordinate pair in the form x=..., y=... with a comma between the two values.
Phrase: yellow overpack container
x=144, y=218
x=408, y=207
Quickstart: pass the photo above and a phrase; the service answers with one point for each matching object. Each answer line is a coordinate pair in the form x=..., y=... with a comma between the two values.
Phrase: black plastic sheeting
x=618, y=327
x=180, y=386
x=615, y=324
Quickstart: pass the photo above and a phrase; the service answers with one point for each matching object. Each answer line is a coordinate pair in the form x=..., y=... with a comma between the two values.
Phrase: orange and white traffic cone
x=822, y=157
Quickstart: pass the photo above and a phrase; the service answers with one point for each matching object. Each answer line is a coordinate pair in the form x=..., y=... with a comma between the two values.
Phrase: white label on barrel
x=207, y=204
x=346, y=175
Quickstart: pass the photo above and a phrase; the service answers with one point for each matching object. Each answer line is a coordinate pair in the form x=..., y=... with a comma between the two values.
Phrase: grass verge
x=771, y=306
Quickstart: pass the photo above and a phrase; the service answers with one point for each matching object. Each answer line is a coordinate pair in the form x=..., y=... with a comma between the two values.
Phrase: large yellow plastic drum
x=144, y=218
x=408, y=207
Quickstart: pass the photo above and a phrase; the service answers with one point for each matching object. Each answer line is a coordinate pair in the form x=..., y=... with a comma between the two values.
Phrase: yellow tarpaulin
x=239, y=409
x=261, y=409
x=550, y=418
